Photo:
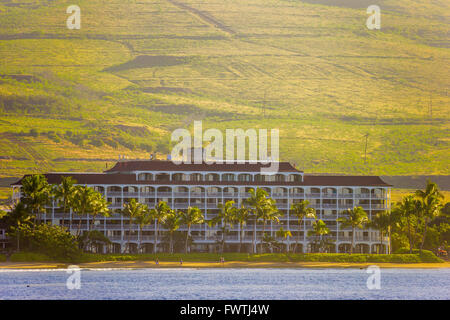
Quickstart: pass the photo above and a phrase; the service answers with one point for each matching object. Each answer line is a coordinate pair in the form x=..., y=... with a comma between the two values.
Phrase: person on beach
x=222, y=260
x=181, y=261
x=157, y=261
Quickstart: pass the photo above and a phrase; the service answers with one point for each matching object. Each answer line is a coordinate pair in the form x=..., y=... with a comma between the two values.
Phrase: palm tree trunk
x=261, y=241
x=424, y=235
x=254, y=237
x=381, y=239
x=240, y=239
x=155, y=246
x=353, y=240
x=223, y=239
x=64, y=215
x=79, y=226
x=187, y=238
x=140, y=238
x=410, y=236
x=170, y=243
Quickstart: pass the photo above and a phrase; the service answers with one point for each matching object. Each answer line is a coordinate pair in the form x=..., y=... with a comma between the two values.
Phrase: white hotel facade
x=207, y=185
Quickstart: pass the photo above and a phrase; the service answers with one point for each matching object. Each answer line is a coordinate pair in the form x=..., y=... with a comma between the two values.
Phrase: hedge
x=29, y=257
x=426, y=256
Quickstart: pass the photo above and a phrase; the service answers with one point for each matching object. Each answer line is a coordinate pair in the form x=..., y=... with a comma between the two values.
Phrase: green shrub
x=29, y=257
x=267, y=257
x=50, y=240
x=2, y=258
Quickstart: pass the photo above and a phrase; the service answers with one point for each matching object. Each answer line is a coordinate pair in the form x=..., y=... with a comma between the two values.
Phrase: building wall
x=329, y=202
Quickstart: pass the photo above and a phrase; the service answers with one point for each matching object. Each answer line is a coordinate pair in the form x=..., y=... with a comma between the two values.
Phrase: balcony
x=329, y=195
x=297, y=195
x=148, y=194
x=313, y=195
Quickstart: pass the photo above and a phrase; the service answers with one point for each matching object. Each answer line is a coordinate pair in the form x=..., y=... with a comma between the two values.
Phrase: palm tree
x=64, y=192
x=241, y=216
x=172, y=222
x=256, y=201
x=356, y=218
x=411, y=210
x=193, y=215
x=132, y=210
x=381, y=222
x=142, y=219
x=98, y=206
x=16, y=218
x=159, y=214
x=319, y=229
x=81, y=201
x=226, y=217
x=269, y=212
x=284, y=234
x=302, y=211
x=37, y=193
x=431, y=205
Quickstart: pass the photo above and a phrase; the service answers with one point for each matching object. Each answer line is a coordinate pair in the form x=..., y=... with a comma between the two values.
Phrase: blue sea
x=290, y=284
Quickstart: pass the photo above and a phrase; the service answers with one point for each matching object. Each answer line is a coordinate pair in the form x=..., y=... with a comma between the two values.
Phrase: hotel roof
x=130, y=179
x=169, y=166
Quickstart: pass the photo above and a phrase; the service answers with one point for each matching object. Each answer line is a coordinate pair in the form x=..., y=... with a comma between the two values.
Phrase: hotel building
x=206, y=185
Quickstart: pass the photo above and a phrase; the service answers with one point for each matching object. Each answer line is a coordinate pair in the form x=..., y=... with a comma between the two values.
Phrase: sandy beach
x=230, y=264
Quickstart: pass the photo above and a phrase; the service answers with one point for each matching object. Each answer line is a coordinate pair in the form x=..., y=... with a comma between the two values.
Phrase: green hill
x=136, y=70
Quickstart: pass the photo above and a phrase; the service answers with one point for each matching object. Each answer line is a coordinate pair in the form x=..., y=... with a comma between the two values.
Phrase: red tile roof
x=124, y=179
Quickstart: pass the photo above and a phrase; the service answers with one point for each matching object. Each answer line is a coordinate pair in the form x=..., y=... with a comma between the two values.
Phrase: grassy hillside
x=136, y=70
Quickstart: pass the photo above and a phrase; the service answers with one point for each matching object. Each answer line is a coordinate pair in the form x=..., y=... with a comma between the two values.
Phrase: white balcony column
x=121, y=222
x=205, y=199
x=321, y=202
x=354, y=197
x=304, y=237
x=288, y=212
x=139, y=194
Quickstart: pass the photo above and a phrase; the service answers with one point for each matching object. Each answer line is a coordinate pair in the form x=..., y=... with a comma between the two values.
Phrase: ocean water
x=226, y=284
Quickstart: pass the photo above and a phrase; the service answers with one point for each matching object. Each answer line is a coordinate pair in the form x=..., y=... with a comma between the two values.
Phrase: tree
x=381, y=222
x=81, y=201
x=93, y=238
x=159, y=214
x=430, y=199
x=356, y=218
x=225, y=217
x=284, y=234
x=50, y=240
x=36, y=192
x=172, y=222
x=132, y=210
x=269, y=212
x=98, y=206
x=193, y=215
x=302, y=211
x=319, y=229
x=256, y=201
x=64, y=193
x=409, y=209
x=241, y=216
x=15, y=219
x=143, y=219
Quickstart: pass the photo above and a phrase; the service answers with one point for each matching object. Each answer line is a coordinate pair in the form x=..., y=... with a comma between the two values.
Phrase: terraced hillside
x=136, y=70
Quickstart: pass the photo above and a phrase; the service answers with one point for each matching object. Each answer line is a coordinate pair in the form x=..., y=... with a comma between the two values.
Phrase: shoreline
x=5, y=266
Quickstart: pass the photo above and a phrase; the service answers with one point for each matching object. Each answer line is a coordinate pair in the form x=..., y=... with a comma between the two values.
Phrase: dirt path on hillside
x=205, y=17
